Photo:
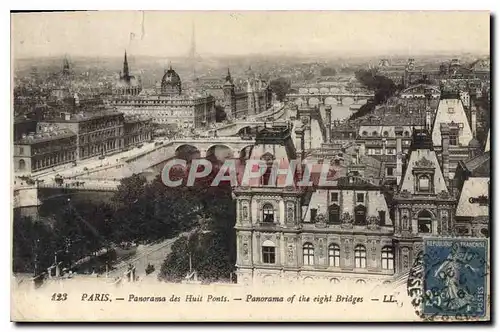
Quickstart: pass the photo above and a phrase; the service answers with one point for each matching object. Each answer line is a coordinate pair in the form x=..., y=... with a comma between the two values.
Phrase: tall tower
x=126, y=74
x=229, y=96
x=192, y=51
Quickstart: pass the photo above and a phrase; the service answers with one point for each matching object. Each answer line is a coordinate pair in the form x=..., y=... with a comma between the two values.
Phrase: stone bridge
x=239, y=127
x=225, y=147
x=327, y=97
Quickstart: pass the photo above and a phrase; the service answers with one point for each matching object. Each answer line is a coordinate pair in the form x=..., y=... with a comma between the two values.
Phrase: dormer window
x=407, y=134
x=386, y=133
x=453, y=137
x=424, y=183
x=374, y=133
x=364, y=133
x=451, y=110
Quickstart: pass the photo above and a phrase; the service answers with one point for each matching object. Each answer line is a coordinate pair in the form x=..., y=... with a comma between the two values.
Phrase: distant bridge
x=323, y=96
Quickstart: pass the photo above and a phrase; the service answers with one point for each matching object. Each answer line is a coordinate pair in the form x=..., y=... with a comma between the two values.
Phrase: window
x=268, y=213
x=365, y=133
x=386, y=133
x=360, y=257
x=308, y=254
x=453, y=138
x=425, y=222
x=424, y=183
x=360, y=198
x=378, y=151
x=314, y=213
x=407, y=134
x=451, y=110
x=21, y=150
x=334, y=197
x=334, y=214
x=387, y=258
x=381, y=215
x=390, y=171
x=269, y=254
x=360, y=215
x=22, y=165
x=334, y=255
x=374, y=133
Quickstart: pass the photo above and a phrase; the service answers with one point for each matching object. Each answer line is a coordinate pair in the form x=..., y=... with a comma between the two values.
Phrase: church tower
x=126, y=73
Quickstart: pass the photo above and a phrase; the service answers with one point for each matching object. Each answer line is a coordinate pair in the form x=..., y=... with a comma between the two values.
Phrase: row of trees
x=382, y=86
x=139, y=212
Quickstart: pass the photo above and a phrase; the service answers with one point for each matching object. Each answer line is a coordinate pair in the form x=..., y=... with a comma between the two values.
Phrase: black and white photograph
x=178, y=166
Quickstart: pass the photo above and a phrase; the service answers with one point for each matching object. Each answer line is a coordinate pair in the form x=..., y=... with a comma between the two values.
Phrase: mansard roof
x=474, y=200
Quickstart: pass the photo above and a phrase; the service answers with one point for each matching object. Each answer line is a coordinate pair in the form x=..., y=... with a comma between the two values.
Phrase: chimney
x=328, y=112
x=299, y=132
x=445, y=153
x=399, y=153
x=67, y=116
x=473, y=120
x=428, y=120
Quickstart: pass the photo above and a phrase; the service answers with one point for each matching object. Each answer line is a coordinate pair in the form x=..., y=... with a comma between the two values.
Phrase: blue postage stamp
x=455, y=277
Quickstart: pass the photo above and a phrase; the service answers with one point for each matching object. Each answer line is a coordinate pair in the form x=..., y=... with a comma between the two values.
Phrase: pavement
x=150, y=254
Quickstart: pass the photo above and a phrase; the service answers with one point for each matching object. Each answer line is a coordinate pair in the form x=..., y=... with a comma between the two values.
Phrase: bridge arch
x=330, y=101
x=313, y=101
x=187, y=152
x=220, y=152
x=245, y=152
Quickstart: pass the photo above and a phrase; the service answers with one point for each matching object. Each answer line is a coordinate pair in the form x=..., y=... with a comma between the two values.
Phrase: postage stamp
x=455, y=277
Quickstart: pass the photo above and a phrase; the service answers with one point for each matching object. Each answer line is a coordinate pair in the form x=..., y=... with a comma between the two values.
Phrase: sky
x=163, y=34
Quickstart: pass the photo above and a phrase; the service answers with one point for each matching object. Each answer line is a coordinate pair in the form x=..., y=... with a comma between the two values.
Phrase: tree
x=33, y=246
x=213, y=250
x=280, y=87
x=220, y=114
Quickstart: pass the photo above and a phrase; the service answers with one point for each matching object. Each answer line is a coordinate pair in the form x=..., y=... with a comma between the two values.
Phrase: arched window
x=387, y=258
x=424, y=183
x=360, y=257
x=360, y=281
x=334, y=255
x=360, y=215
x=22, y=164
x=268, y=213
x=334, y=214
x=425, y=222
x=308, y=254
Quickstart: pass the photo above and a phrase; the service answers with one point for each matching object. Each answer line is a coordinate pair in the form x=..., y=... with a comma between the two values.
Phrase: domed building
x=168, y=105
x=170, y=83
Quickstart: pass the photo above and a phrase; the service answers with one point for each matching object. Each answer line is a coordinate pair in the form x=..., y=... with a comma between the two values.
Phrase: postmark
x=455, y=272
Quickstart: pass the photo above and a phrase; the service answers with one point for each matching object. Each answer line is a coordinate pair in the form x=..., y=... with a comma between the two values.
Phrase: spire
x=66, y=70
x=228, y=76
x=126, y=73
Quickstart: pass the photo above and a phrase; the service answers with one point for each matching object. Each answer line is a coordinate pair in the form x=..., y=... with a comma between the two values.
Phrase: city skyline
x=169, y=34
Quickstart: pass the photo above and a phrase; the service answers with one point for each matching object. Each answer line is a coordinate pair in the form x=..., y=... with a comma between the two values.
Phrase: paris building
x=167, y=105
x=336, y=233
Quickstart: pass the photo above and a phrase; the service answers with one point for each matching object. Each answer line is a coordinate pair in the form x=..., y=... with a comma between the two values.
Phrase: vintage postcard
x=276, y=166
